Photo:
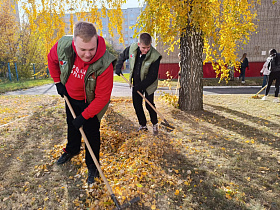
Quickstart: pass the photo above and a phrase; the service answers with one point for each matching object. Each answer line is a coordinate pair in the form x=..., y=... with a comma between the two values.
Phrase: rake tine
x=128, y=204
x=166, y=124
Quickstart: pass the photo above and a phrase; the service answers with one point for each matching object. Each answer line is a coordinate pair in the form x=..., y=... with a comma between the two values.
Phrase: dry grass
x=224, y=157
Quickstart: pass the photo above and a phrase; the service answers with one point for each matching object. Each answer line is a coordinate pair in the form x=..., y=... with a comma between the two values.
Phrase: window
x=131, y=22
x=125, y=16
x=126, y=29
x=126, y=35
x=126, y=42
x=131, y=15
x=125, y=23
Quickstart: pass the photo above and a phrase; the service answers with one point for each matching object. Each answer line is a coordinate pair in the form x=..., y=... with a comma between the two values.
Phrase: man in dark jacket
x=274, y=67
x=82, y=70
x=144, y=64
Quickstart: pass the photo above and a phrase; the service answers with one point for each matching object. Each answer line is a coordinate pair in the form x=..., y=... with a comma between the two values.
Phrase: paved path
x=122, y=89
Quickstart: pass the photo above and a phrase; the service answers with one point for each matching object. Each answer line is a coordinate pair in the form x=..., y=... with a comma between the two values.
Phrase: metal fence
x=16, y=71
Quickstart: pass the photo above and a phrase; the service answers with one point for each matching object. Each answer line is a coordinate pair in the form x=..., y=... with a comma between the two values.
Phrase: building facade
x=266, y=37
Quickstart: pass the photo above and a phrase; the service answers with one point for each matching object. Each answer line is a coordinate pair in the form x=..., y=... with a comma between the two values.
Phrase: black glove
x=118, y=72
x=79, y=121
x=61, y=90
x=261, y=74
x=138, y=87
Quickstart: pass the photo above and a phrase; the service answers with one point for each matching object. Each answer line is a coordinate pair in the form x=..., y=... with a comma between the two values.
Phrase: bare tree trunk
x=191, y=91
x=231, y=74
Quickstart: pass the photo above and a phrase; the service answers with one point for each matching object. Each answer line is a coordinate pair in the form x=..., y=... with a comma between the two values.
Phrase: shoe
x=155, y=129
x=243, y=82
x=92, y=174
x=64, y=158
x=142, y=128
x=276, y=100
x=237, y=78
x=264, y=98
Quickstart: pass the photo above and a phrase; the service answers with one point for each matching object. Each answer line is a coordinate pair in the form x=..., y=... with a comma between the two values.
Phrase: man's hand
x=61, y=90
x=118, y=72
x=79, y=121
x=137, y=87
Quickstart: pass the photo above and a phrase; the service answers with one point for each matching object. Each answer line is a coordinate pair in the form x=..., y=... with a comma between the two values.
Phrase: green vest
x=151, y=57
x=66, y=58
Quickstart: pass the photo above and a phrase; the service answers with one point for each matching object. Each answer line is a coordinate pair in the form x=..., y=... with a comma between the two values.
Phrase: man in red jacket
x=82, y=70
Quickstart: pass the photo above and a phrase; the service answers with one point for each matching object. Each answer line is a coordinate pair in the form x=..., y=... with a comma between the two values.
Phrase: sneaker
x=65, y=157
x=242, y=82
x=92, y=174
x=276, y=100
x=264, y=98
x=155, y=129
x=142, y=128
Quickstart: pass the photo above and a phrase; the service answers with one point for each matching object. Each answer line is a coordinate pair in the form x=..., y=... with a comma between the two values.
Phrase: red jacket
x=75, y=82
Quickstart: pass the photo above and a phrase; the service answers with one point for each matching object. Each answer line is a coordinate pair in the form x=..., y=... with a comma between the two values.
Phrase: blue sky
x=132, y=3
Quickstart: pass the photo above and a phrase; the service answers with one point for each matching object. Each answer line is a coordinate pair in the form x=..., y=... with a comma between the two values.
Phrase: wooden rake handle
x=261, y=90
x=154, y=108
x=89, y=148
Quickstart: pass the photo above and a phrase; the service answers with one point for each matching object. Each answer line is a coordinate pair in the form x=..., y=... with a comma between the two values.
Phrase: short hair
x=85, y=30
x=272, y=52
x=145, y=39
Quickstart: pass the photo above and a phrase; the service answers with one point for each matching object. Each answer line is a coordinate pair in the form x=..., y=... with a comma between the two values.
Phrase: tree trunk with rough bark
x=191, y=91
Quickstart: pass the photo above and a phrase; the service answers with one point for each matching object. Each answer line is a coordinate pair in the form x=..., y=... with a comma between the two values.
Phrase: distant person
x=244, y=63
x=82, y=70
x=265, y=71
x=144, y=64
x=274, y=67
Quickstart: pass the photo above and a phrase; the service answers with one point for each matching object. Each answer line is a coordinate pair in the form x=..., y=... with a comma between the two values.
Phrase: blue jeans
x=265, y=78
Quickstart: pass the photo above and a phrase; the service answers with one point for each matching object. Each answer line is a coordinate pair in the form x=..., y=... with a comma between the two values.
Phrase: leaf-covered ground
x=225, y=157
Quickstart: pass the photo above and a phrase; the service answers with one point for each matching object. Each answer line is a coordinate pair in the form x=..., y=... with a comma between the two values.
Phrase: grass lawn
x=6, y=86
x=224, y=157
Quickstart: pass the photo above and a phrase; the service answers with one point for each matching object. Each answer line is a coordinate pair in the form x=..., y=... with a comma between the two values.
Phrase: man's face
x=86, y=50
x=144, y=48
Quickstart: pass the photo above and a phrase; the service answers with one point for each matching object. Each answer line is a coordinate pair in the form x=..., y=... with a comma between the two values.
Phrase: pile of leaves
x=224, y=157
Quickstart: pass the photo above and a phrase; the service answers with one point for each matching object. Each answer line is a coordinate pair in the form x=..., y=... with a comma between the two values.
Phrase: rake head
x=125, y=205
x=256, y=97
x=167, y=126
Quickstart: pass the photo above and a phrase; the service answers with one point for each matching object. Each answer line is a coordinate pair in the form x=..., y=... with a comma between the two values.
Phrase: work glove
x=79, y=121
x=61, y=90
x=138, y=87
x=118, y=72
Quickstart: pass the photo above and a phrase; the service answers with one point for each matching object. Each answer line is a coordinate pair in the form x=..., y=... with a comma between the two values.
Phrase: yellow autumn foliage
x=225, y=25
x=47, y=20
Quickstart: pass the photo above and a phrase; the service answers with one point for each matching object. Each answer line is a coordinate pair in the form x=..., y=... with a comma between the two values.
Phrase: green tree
x=211, y=27
x=8, y=32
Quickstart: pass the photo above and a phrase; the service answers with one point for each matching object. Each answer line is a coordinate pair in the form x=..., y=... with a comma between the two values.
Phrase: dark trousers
x=242, y=74
x=138, y=106
x=91, y=129
x=271, y=77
